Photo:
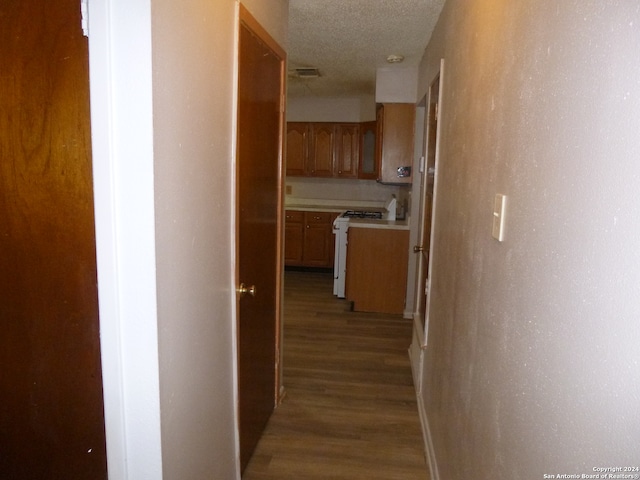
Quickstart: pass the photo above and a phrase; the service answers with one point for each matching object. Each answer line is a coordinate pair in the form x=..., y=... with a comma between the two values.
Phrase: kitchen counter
x=321, y=205
x=337, y=206
x=379, y=224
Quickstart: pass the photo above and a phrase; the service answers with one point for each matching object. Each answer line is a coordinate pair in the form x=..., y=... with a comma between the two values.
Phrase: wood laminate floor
x=350, y=407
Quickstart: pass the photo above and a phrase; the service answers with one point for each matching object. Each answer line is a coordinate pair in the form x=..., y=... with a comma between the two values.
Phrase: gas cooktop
x=362, y=214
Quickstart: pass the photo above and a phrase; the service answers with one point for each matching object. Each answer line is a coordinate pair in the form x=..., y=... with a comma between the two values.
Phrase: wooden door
x=367, y=168
x=322, y=151
x=51, y=407
x=293, y=237
x=297, y=148
x=317, y=239
x=259, y=226
x=396, y=137
x=347, y=150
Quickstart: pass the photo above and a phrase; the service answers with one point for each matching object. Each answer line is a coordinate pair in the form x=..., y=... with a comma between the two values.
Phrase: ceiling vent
x=306, y=72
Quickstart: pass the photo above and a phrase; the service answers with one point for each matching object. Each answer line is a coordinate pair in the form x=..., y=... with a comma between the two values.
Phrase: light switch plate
x=499, y=204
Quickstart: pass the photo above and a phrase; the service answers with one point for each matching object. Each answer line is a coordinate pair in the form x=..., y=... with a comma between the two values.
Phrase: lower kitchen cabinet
x=377, y=263
x=308, y=240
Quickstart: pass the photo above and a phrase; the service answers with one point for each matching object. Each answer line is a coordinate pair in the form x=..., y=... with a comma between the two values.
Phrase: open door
x=427, y=209
x=51, y=404
x=259, y=174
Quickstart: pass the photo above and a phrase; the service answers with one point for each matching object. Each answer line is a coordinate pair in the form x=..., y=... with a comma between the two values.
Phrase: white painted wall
x=193, y=70
x=163, y=122
x=396, y=84
x=532, y=360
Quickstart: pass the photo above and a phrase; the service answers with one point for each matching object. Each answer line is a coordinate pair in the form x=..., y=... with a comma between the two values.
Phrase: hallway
x=350, y=409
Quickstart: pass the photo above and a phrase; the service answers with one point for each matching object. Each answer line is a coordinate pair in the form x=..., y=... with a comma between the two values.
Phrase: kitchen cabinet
x=297, y=148
x=309, y=238
x=377, y=262
x=368, y=166
x=323, y=149
x=347, y=150
x=293, y=237
x=395, y=142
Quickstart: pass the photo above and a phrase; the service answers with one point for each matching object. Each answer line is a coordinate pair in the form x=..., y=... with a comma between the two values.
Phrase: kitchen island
x=377, y=263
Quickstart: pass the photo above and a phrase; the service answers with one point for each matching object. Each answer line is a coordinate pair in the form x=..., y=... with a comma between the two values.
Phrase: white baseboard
x=429, y=451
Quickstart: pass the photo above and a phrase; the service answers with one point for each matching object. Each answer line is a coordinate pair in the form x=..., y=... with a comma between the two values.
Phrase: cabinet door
x=368, y=167
x=396, y=132
x=293, y=237
x=317, y=239
x=322, y=152
x=347, y=151
x=297, y=148
x=377, y=263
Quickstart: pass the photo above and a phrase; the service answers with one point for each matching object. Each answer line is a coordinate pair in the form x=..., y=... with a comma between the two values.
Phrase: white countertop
x=379, y=224
x=322, y=205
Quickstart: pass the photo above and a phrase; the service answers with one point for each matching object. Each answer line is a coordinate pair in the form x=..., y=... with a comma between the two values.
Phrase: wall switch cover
x=499, y=204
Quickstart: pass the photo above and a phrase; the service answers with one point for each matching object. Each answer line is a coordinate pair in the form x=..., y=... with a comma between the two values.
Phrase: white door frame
x=122, y=145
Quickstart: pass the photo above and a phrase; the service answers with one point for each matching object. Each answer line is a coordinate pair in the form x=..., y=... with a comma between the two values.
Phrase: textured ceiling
x=347, y=40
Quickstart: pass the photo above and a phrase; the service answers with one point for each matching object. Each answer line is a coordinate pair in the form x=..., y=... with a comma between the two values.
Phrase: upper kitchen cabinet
x=321, y=157
x=323, y=149
x=368, y=167
x=347, y=150
x=297, y=148
x=395, y=138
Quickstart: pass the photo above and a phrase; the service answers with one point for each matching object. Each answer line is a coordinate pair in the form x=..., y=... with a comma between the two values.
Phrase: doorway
x=427, y=209
x=259, y=174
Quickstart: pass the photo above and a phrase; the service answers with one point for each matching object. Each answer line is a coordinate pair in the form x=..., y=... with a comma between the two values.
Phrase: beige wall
x=193, y=101
x=334, y=109
x=532, y=359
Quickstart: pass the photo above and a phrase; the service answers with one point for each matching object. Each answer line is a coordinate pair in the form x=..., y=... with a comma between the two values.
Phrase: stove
x=362, y=214
x=340, y=228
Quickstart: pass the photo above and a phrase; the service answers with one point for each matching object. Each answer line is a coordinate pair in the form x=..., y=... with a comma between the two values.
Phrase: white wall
x=532, y=359
x=396, y=84
x=163, y=122
x=193, y=69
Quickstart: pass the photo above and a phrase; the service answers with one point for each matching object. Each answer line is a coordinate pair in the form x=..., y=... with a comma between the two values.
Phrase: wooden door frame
x=423, y=329
x=246, y=19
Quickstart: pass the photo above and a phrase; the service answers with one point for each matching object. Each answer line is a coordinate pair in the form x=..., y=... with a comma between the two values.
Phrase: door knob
x=418, y=249
x=243, y=289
